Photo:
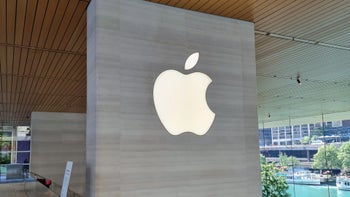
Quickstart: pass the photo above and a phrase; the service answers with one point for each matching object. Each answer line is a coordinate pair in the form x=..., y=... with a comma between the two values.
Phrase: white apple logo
x=180, y=100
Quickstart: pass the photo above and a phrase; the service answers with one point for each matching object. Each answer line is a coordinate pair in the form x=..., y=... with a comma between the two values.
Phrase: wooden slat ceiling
x=42, y=58
x=324, y=71
x=43, y=55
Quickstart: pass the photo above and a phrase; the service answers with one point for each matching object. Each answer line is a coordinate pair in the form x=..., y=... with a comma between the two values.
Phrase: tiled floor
x=27, y=189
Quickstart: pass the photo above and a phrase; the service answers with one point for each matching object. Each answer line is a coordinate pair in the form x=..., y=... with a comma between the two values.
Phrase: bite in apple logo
x=180, y=100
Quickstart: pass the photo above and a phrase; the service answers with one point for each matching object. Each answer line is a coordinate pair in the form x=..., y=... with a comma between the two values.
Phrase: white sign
x=66, y=178
x=180, y=100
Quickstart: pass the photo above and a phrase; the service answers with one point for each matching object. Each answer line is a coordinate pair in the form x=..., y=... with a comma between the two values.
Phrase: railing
x=55, y=187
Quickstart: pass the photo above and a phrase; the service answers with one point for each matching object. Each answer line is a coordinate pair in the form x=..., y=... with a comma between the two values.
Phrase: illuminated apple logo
x=180, y=100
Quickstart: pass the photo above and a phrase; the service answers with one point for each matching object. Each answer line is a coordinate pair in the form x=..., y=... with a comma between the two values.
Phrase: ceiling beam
x=301, y=40
x=44, y=49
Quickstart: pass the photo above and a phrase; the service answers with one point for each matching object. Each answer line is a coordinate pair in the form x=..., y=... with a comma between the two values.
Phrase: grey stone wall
x=130, y=42
x=56, y=139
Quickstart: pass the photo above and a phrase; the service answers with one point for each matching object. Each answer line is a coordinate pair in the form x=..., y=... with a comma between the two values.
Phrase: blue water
x=316, y=191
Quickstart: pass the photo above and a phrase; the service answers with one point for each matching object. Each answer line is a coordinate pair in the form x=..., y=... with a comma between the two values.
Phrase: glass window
x=14, y=154
x=312, y=159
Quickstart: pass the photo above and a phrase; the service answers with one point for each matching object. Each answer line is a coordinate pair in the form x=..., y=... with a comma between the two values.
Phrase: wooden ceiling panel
x=55, y=64
x=251, y=12
x=42, y=65
x=22, y=61
x=68, y=16
x=279, y=16
x=335, y=33
x=65, y=65
x=38, y=21
x=262, y=12
x=189, y=4
x=82, y=48
x=36, y=60
x=29, y=21
x=43, y=54
x=80, y=43
x=242, y=9
x=43, y=87
x=47, y=23
x=16, y=61
x=75, y=25
x=3, y=60
x=3, y=31
x=206, y=6
x=42, y=45
x=78, y=30
x=10, y=21
x=28, y=62
x=74, y=73
x=172, y=3
x=230, y=7
x=9, y=58
x=20, y=18
x=195, y=4
x=47, y=59
x=42, y=93
x=57, y=22
x=310, y=15
x=181, y=3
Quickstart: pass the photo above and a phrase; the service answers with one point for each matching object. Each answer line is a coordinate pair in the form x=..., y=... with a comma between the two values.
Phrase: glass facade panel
x=14, y=154
x=313, y=158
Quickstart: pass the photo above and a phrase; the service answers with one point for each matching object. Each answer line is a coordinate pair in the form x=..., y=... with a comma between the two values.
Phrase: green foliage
x=292, y=161
x=262, y=159
x=305, y=140
x=283, y=159
x=315, y=133
x=272, y=185
x=314, y=137
x=5, y=145
x=327, y=157
x=344, y=155
x=288, y=161
x=5, y=158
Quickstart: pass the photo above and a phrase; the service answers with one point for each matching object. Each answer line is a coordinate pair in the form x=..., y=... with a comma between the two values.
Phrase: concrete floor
x=27, y=189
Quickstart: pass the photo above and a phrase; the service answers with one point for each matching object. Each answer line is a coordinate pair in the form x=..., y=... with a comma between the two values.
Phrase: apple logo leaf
x=191, y=61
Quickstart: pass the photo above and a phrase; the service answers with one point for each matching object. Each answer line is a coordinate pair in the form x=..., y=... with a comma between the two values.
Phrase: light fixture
x=298, y=79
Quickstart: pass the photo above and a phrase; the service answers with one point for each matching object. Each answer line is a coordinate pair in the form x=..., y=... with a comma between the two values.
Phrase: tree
x=305, y=140
x=272, y=184
x=344, y=156
x=327, y=157
x=262, y=159
x=283, y=159
x=288, y=161
x=314, y=137
x=292, y=161
x=316, y=132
